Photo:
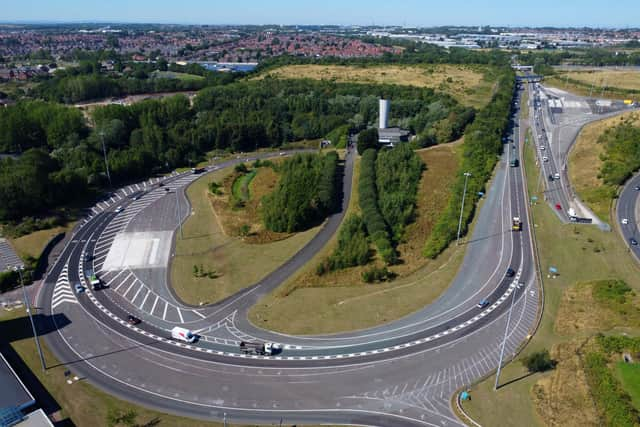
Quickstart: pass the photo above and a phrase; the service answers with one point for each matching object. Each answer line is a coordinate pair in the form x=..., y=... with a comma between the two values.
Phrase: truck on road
x=93, y=280
x=261, y=349
x=516, y=224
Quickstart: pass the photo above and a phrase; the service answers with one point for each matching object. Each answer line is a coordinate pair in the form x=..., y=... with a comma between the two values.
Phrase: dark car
x=550, y=177
x=633, y=241
x=133, y=320
x=161, y=184
x=483, y=303
x=510, y=272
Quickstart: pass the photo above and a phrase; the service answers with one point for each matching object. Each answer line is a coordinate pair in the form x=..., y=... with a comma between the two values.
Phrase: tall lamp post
x=464, y=193
x=106, y=161
x=28, y=307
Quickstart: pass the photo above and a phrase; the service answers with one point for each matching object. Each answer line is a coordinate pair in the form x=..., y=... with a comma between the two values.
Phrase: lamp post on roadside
x=504, y=341
x=106, y=162
x=28, y=308
x=464, y=193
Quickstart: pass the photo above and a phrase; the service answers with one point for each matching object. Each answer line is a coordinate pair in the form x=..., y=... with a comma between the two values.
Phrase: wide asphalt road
x=401, y=373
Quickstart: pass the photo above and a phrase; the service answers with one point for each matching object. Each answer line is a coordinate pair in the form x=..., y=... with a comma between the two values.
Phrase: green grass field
x=629, y=376
x=240, y=186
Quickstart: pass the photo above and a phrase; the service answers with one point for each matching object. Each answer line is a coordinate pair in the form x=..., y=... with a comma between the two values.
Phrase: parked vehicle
x=261, y=349
x=183, y=334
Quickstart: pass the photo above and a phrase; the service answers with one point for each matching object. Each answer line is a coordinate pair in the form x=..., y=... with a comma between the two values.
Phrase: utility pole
x=178, y=212
x=28, y=308
x=464, y=193
x=504, y=341
x=106, y=161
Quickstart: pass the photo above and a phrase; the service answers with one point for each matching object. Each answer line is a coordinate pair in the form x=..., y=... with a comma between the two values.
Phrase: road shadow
x=20, y=328
x=521, y=377
x=485, y=237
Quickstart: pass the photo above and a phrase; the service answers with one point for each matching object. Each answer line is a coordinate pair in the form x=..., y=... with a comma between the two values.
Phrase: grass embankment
x=573, y=311
x=240, y=186
x=340, y=301
x=471, y=85
x=32, y=245
x=617, y=84
x=585, y=162
x=629, y=376
x=205, y=243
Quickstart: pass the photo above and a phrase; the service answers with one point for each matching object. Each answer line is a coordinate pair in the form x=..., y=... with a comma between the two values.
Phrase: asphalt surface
x=557, y=117
x=627, y=211
x=401, y=373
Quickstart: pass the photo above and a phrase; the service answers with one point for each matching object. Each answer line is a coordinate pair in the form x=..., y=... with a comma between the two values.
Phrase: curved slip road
x=401, y=373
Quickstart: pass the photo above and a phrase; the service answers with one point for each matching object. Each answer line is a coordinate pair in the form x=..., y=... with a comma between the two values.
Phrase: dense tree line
x=621, y=157
x=398, y=173
x=481, y=148
x=157, y=135
x=368, y=193
x=306, y=193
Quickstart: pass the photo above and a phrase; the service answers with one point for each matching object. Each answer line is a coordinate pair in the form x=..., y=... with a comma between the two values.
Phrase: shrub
x=241, y=168
x=539, y=361
x=378, y=274
x=215, y=188
x=352, y=249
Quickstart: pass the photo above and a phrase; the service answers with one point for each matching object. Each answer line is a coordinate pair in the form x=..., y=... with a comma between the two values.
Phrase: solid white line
x=164, y=315
x=145, y=298
x=154, y=305
x=129, y=288
x=180, y=315
x=136, y=295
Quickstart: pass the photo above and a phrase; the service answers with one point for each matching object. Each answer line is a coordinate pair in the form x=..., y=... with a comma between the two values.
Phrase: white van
x=182, y=334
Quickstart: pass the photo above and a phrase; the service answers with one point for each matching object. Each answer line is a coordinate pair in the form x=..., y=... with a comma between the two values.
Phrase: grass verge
x=340, y=301
x=206, y=245
x=629, y=376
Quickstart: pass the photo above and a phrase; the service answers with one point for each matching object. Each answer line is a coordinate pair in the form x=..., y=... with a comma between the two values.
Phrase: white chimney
x=385, y=104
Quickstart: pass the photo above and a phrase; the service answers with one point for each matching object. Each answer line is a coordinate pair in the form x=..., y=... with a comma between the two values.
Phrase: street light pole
x=106, y=161
x=464, y=193
x=28, y=308
x=504, y=340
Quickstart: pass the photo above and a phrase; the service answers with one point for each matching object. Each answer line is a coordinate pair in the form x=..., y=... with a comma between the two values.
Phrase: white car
x=556, y=176
x=119, y=209
x=625, y=221
x=545, y=159
x=542, y=148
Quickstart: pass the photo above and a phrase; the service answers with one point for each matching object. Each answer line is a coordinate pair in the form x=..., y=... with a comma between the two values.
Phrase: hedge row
x=373, y=219
x=352, y=249
x=482, y=146
x=612, y=401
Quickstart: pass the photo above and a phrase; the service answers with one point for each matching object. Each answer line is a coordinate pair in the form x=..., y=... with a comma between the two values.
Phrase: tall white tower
x=385, y=104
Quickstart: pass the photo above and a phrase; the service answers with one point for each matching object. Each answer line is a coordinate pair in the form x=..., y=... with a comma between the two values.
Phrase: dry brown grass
x=580, y=314
x=562, y=398
x=585, y=164
x=622, y=79
x=340, y=301
x=232, y=219
x=467, y=83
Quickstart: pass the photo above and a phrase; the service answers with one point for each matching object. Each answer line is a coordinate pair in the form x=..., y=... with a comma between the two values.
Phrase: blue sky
x=601, y=13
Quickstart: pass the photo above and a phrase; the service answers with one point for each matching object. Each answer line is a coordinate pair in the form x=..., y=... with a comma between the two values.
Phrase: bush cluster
x=306, y=193
x=352, y=249
x=621, y=156
x=539, y=361
x=377, y=274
